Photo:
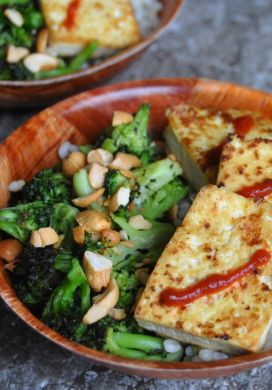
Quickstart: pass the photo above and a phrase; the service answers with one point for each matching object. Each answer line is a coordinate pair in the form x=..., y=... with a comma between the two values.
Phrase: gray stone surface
x=220, y=39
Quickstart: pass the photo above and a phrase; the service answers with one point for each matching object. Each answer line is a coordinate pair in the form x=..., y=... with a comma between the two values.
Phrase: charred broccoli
x=68, y=304
x=35, y=275
x=20, y=220
x=47, y=186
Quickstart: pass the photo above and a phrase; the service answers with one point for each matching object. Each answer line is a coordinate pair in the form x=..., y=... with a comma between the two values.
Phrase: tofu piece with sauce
x=245, y=163
x=196, y=136
x=220, y=233
x=75, y=23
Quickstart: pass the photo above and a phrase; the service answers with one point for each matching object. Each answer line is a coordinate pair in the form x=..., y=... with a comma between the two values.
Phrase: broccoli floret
x=19, y=221
x=114, y=180
x=158, y=188
x=62, y=221
x=35, y=275
x=161, y=201
x=68, y=304
x=49, y=187
x=95, y=334
x=159, y=234
x=128, y=286
x=133, y=137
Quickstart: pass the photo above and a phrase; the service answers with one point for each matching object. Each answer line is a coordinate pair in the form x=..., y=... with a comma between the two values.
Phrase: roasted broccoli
x=133, y=137
x=161, y=201
x=20, y=220
x=139, y=346
x=114, y=180
x=68, y=304
x=35, y=275
x=62, y=221
x=128, y=286
x=95, y=335
x=158, y=188
x=158, y=235
x=49, y=187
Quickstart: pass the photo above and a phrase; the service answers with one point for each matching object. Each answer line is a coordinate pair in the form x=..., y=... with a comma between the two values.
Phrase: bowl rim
x=178, y=370
x=104, y=64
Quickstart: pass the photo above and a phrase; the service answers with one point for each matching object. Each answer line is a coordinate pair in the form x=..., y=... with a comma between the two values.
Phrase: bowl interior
x=80, y=119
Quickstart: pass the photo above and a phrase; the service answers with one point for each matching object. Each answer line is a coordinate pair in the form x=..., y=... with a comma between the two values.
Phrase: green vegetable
x=158, y=188
x=138, y=346
x=159, y=234
x=161, y=201
x=85, y=148
x=63, y=221
x=19, y=221
x=75, y=65
x=114, y=180
x=128, y=287
x=81, y=183
x=68, y=304
x=132, y=137
x=35, y=275
x=48, y=187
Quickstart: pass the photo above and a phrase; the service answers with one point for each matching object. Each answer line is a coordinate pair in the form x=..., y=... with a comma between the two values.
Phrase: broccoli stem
x=138, y=341
x=81, y=183
x=75, y=65
x=138, y=346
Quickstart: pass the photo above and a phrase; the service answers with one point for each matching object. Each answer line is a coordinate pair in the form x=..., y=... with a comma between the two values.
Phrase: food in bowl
x=53, y=38
x=83, y=238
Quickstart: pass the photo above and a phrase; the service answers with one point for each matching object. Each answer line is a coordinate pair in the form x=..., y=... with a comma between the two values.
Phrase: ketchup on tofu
x=214, y=283
x=257, y=191
x=71, y=14
x=243, y=125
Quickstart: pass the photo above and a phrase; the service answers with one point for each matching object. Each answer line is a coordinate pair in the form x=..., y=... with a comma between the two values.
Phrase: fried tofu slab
x=245, y=163
x=111, y=23
x=196, y=136
x=221, y=231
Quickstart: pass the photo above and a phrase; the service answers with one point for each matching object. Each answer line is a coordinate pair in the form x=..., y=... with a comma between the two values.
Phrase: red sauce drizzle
x=243, y=124
x=182, y=297
x=257, y=191
x=71, y=14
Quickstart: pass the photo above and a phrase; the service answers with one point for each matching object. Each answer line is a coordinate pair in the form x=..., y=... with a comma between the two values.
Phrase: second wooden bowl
x=80, y=119
x=43, y=92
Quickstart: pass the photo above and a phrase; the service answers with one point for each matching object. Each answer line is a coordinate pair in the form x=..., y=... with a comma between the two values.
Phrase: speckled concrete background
x=220, y=39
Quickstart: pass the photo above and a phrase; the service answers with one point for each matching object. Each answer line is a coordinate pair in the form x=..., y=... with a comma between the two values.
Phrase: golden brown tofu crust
x=220, y=233
x=245, y=163
x=203, y=132
x=111, y=23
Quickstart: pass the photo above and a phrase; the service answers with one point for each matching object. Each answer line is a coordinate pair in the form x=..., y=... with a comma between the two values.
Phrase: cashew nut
x=139, y=222
x=79, y=235
x=16, y=54
x=93, y=221
x=111, y=237
x=100, y=156
x=98, y=270
x=97, y=175
x=102, y=306
x=10, y=249
x=43, y=237
x=85, y=201
x=125, y=161
x=73, y=163
x=121, y=118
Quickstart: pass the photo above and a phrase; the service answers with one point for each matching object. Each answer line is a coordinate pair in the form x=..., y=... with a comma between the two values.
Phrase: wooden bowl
x=40, y=92
x=80, y=119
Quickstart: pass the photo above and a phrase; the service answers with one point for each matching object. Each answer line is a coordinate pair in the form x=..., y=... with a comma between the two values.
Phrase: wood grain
x=40, y=92
x=78, y=119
